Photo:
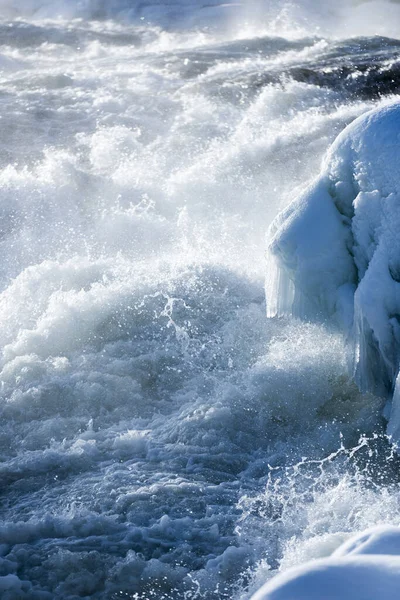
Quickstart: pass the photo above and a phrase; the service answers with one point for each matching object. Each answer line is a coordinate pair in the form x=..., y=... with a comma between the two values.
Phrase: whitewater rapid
x=159, y=437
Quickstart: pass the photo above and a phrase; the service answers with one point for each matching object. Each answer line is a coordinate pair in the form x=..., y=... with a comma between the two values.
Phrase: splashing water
x=160, y=438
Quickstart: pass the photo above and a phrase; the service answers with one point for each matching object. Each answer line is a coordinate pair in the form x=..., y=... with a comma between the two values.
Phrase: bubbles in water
x=153, y=420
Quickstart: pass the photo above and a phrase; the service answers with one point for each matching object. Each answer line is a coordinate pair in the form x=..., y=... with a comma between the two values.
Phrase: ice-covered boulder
x=366, y=567
x=335, y=251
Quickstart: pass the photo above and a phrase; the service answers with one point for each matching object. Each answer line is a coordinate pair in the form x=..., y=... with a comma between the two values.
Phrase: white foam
x=240, y=19
x=143, y=393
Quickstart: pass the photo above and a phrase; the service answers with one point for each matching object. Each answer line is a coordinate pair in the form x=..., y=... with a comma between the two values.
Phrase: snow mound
x=366, y=567
x=382, y=539
x=335, y=251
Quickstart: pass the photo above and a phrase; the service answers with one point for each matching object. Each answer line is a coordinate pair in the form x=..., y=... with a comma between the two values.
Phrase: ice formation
x=335, y=251
x=364, y=568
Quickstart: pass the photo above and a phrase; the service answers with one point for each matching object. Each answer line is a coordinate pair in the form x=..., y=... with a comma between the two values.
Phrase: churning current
x=160, y=438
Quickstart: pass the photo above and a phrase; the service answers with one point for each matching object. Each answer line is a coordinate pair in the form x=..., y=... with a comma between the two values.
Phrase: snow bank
x=364, y=568
x=335, y=251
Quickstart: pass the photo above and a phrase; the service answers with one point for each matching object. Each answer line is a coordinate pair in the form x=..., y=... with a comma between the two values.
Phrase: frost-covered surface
x=338, y=245
x=366, y=567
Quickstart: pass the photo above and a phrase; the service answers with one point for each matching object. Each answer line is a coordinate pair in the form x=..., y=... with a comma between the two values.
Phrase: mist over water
x=159, y=437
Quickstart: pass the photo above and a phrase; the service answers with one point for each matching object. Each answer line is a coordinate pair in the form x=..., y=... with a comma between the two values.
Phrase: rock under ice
x=335, y=252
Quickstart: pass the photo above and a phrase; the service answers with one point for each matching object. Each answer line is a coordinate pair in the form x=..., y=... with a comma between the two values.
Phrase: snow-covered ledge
x=335, y=252
x=366, y=567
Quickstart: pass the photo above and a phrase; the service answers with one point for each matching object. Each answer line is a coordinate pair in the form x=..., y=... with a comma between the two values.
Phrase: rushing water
x=159, y=437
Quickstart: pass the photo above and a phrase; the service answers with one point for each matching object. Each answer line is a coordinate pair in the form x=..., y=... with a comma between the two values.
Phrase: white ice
x=335, y=256
x=336, y=250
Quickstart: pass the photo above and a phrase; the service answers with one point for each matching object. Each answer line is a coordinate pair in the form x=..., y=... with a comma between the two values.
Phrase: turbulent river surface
x=159, y=437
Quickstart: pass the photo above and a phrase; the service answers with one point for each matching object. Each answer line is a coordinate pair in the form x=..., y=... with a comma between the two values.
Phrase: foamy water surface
x=159, y=437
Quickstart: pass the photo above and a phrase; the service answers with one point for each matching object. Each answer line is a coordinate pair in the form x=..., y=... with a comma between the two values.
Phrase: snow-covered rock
x=335, y=251
x=366, y=567
x=382, y=539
